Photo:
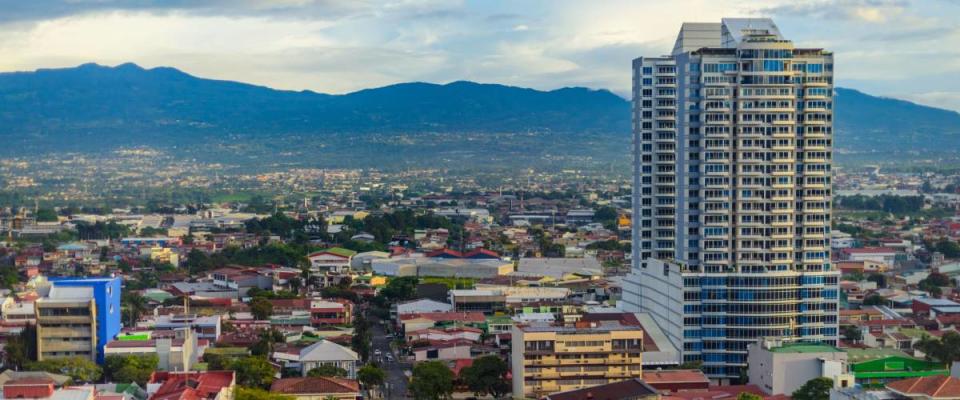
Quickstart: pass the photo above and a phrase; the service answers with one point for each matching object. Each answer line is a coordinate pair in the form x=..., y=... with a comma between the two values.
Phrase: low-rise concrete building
x=548, y=359
x=179, y=352
x=781, y=368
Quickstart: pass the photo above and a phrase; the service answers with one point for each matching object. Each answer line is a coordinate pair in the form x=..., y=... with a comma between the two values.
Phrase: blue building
x=106, y=295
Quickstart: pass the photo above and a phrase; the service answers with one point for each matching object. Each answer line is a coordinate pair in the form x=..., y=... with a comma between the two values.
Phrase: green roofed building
x=334, y=259
x=135, y=336
x=497, y=324
x=781, y=367
x=340, y=251
x=876, y=373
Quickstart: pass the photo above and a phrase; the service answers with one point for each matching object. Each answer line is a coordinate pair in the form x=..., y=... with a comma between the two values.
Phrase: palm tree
x=135, y=306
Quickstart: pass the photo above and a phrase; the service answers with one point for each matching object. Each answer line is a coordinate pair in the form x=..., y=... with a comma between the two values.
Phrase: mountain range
x=92, y=107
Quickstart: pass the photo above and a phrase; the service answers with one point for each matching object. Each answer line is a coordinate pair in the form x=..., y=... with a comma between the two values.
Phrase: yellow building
x=66, y=324
x=164, y=255
x=548, y=359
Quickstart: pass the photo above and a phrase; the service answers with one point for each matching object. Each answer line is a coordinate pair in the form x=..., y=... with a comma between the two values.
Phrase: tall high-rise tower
x=732, y=137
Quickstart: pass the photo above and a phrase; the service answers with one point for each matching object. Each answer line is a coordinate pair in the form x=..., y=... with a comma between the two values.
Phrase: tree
x=880, y=279
x=933, y=282
x=79, y=369
x=874, y=300
x=748, y=396
x=854, y=276
x=216, y=362
x=133, y=306
x=130, y=368
x=607, y=216
x=945, y=350
x=253, y=371
x=370, y=375
x=21, y=349
x=261, y=308
x=328, y=370
x=949, y=248
x=248, y=393
x=695, y=364
x=263, y=347
x=399, y=289
x=431, y=380
x=814, y=389
x=295, y=284
x=360, y=342
x=852, y=334
x=46, y=215
x=487, y=375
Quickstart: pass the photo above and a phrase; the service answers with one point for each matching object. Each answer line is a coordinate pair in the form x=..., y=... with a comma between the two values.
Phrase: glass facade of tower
x=732, y=192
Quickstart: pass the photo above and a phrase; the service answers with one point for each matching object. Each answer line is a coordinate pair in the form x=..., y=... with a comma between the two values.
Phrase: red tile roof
x=459, y=365
x=626, y=389
x=716, y=393
x=936, y=387
x=190, y=385
x=628, y=319
x=36, y=388
x=315, y=385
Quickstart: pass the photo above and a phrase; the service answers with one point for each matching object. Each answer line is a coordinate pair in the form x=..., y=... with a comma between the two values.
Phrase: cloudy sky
x=900, y=48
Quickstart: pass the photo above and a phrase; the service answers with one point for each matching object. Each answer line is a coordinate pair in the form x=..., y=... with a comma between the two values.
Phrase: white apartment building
x=732, y=192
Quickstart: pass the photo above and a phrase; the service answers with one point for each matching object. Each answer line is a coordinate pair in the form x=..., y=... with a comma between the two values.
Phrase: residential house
x=456, y=349
x=420, y=321
x=333, y=260
x=630, y=389
x=240, y=279
x=320, y=353
x=449, y=334
x=206, y=385
x=330, y=312
x=936, y=387
x=418, y=306
x=317, y=388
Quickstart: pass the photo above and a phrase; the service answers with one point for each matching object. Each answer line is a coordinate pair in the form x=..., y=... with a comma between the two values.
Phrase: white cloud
x=344, y=45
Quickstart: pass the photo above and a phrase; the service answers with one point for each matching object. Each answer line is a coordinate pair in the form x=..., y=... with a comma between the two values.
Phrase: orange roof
x=315, y=385
x=675, y=376
x=719, y=392
x=460, y=364
x=190, y=385
x=936, y=387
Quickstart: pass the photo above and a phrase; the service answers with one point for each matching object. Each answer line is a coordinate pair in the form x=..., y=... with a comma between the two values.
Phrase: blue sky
x=898, y=48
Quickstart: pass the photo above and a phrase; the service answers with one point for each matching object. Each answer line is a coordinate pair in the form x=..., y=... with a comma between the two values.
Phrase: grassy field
x=452, y=283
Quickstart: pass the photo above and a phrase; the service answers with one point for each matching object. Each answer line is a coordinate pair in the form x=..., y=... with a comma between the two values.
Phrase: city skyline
x=339, y=47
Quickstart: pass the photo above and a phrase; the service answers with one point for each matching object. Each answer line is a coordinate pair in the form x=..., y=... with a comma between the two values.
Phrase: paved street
x=396, y=380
